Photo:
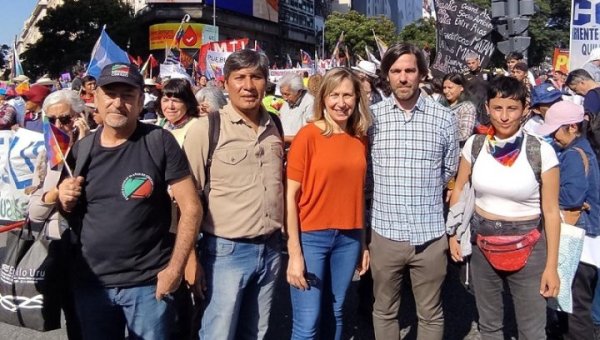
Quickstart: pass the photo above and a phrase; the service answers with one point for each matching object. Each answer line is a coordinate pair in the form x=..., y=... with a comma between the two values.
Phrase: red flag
x=132, y=59
x=153, y=61
x=185, y=59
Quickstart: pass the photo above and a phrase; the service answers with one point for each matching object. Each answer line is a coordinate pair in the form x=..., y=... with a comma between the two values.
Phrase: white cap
x=594, y=55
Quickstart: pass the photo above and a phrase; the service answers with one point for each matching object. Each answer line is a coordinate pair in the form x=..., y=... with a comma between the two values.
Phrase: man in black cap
x=126, y=263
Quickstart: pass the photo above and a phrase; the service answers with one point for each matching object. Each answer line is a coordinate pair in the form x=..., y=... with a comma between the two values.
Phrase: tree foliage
x=421, y=33
x=549, y=28
x=358, y=31
x=69, y=32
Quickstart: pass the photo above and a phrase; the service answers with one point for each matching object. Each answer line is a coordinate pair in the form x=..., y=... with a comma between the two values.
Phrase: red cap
x=36, y=94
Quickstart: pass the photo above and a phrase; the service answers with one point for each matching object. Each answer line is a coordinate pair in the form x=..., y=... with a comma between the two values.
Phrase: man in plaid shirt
x=413, y=154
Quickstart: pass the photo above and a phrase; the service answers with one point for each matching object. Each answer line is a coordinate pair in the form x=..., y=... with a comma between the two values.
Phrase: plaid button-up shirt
x=411, y=159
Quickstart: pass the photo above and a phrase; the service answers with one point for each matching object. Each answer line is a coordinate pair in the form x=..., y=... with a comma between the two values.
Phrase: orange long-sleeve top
x=331, y=171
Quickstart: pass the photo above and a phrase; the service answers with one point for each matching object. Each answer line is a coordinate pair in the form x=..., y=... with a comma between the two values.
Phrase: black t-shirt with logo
x=124, y=237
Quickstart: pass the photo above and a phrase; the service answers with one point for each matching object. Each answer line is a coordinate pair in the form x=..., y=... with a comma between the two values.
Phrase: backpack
x=532, y=149
x=214, y=131
x=591, y=128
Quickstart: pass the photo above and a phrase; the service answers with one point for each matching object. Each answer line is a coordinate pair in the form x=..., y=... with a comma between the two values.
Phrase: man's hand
x=168, y=282
x=194, y=276
x=69, y=191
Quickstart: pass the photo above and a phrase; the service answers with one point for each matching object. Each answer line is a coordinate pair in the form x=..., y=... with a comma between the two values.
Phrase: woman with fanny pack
x=516, y=180
x=579, y=201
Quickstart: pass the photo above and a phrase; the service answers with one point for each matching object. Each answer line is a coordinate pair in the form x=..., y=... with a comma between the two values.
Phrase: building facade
x=402, y=13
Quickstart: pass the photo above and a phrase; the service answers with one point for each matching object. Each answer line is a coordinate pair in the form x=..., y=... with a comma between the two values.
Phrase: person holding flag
x=62, y=125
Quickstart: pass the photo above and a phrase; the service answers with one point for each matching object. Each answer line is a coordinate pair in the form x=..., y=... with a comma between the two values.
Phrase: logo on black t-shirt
x=137, y=186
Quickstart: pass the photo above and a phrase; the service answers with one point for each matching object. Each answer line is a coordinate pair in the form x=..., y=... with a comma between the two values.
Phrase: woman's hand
x=550, y=284
x=82, y=126
x=295, y=272
x=365, y=259
x=454, y=248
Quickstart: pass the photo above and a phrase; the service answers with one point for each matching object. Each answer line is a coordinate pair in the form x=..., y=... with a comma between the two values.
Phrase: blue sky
x=12, y=16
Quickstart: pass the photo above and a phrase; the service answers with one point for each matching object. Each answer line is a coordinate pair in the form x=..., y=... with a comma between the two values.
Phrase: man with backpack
x=582, y=83
x=236, y=157
x=126, y=263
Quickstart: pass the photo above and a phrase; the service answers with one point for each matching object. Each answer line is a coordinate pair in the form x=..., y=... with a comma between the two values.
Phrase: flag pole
x=186, y=18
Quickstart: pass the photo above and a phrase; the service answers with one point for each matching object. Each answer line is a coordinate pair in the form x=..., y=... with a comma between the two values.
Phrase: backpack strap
x=214, y=131
x=275, y=118
x=534, y=156
x=586, y=162
x=153, y=138
x=476, y=147
x=82, y=158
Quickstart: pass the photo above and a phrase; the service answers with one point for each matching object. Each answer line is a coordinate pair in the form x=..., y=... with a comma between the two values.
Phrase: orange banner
x=162, y=35
x=560, y=61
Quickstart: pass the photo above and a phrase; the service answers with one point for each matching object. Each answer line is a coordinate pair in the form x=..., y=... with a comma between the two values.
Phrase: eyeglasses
x=64, y=120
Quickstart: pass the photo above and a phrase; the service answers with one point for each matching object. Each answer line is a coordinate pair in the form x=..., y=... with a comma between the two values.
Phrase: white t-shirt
x=508, y=191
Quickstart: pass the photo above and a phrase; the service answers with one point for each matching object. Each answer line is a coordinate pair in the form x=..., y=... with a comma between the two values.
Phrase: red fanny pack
x=508, y=253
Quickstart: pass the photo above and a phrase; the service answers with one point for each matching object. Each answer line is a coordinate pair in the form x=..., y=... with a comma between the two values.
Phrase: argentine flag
x=105, y=52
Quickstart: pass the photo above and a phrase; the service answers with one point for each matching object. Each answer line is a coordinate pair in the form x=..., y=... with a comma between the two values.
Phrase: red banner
x=219, y=46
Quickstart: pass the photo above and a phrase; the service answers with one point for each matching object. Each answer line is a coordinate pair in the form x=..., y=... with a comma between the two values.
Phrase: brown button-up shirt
x=246, y=196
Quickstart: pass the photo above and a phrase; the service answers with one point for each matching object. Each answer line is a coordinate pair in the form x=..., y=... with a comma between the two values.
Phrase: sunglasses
x=64, y=120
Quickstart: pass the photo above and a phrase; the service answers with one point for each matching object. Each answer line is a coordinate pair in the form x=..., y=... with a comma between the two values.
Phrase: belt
x=253, y=240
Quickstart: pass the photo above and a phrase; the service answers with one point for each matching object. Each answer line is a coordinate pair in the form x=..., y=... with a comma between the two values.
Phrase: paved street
x=459, y=308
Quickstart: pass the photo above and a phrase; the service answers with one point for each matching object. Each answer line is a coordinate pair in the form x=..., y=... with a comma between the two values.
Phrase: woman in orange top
x=325, y=205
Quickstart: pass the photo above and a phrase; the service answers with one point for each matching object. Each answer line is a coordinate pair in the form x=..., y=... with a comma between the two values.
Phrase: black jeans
x=579, y=324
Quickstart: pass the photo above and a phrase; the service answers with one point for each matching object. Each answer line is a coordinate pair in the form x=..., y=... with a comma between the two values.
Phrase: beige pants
x=426, y=265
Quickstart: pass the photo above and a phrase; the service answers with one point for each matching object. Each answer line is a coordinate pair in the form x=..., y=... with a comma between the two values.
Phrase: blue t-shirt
x=591, y=101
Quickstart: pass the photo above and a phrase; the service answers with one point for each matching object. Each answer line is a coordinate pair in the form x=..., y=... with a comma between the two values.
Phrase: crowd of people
x=182, y=197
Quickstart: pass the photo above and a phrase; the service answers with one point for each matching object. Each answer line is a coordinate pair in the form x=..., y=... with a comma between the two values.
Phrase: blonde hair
x=360, y=120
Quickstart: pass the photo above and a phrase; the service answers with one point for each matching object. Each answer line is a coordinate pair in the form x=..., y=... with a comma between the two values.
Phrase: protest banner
x=215, y=61
x=463, y=29
x=230, y=45
x=18, y=154
x=560, y=60
x=275, y=75
x=585, y=31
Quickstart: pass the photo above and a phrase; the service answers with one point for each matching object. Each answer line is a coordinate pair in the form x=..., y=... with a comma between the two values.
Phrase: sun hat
x=366, y=67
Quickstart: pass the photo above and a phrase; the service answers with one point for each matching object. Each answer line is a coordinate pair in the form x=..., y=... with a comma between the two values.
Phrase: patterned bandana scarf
x=505, y=151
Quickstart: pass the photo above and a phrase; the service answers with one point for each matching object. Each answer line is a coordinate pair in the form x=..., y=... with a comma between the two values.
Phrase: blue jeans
x=105, y=312
x=330, y=258
x=240, y=278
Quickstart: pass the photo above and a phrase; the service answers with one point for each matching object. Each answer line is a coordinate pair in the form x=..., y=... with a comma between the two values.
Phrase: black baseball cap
x=121, y=73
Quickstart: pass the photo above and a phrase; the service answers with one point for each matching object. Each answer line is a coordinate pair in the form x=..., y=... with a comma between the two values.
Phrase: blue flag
x=105, y=52
x=17, y=68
